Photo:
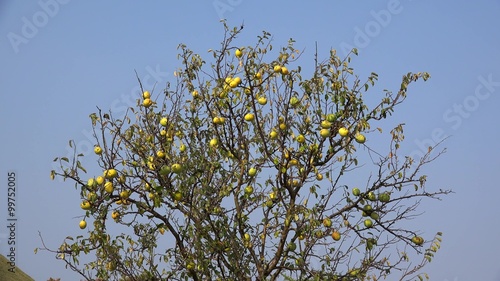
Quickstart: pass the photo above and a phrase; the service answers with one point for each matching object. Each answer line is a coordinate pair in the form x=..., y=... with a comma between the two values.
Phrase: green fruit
x=370, y=243
x=384, y=197
x=368, y=223
x=368, y=208
x=418, y=240
x=177, y=196
x=356, y=191
x=91, y=182
x=331, y=117
x=269, y=203
x=371, y=196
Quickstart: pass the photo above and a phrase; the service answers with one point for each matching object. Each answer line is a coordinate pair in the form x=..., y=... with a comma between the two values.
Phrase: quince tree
x=244, y=169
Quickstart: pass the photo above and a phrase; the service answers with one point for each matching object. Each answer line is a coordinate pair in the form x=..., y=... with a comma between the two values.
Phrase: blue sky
x=61, y=59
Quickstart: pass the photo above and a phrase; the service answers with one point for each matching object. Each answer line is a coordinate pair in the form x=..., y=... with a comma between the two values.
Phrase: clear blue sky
x=59, y=61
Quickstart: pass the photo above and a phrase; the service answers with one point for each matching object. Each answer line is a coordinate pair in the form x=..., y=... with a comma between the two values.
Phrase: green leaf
x=79, y=165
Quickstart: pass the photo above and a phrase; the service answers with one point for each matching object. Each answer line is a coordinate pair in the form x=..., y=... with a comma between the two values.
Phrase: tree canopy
x=240, y=169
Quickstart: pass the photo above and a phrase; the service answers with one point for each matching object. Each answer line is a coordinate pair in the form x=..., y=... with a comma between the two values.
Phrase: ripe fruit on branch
x=110, y=174
x=146, y=95
x=300, y=139
x=273, y=134
x=219, y=120
x=360, y=138
x=238, y=53
x=325, y=124
x=294, y=101
x=164, y=121
x=99, y=180
x=249, y=190
x=125, y=194
x=293, y=162
x=252, y=172
x=97, y=150
x=343, y=132
x=249, y=117
x=176, y=168
x=82, y=224
x=147, y=102
x=262, y=100
x=108, y=187
x=336, y=235
x=235, y=82
x=115, y=215
x=324, y=133
x=182, y=148
x=284, y=70
x=160, y=154
x=277, y=68
x=214, y=142
x=85, y=205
